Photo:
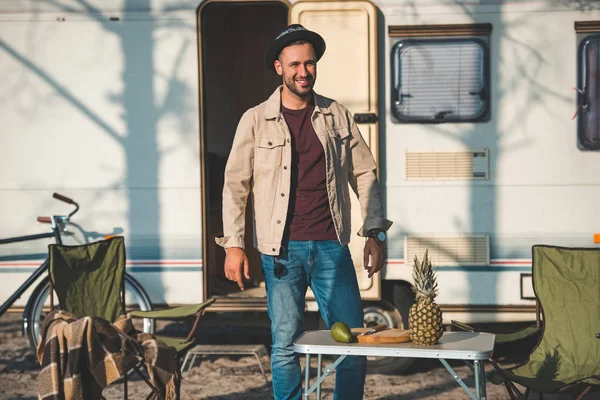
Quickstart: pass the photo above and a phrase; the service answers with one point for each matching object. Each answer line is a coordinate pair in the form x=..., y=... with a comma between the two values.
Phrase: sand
x=239, y=377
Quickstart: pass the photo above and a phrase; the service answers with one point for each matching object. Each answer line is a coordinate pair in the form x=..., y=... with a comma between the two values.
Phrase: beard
x=302, y=92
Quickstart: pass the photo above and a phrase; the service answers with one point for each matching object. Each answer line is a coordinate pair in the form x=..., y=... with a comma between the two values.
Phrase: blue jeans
x=326, y=266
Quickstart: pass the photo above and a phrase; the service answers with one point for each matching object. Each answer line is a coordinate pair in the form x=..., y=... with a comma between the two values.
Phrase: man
x=297, y=153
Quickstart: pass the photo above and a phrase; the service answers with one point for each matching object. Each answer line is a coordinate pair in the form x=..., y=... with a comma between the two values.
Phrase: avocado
x=341, y=333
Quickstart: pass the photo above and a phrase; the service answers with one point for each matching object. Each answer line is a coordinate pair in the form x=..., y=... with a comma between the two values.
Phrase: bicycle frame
x=38, y=272
x=57, y=221
x=33, y=309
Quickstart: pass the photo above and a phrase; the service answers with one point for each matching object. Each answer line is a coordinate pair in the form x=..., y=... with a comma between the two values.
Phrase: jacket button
x=284, y=167
x=288, y=140
x=270, y=143
x=282, y=194
x=274, y=249
x=278, y=221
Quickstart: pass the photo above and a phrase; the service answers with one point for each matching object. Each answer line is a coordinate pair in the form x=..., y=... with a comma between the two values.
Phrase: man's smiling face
x=297, y=65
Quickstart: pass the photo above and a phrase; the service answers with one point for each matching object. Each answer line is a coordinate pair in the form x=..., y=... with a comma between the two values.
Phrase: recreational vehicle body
x=130, y=107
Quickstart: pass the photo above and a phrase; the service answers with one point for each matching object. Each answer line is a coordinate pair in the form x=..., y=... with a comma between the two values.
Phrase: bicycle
x=37, y=303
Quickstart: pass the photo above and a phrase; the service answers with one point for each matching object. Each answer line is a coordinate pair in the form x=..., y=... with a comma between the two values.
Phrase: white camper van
x=130, y=107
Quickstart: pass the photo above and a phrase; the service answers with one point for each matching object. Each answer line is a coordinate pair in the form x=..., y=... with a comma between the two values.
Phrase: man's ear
x=278, y=67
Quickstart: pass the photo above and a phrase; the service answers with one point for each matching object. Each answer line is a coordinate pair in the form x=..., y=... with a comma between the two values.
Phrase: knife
x=378, y=328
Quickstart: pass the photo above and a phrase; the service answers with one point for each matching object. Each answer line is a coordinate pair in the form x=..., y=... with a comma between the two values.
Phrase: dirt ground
x=239, y=377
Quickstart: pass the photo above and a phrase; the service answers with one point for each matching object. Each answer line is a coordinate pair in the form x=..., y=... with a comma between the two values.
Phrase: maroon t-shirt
x=309, y=216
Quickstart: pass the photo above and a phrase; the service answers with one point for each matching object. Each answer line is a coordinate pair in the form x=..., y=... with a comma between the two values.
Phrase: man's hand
x=236, y=261
x=376, y=251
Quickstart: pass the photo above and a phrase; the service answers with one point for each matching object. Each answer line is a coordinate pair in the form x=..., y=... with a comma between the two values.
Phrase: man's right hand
x=236, y=261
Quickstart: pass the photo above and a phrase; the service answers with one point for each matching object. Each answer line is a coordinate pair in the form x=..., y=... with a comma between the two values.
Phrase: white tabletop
x=451, y=346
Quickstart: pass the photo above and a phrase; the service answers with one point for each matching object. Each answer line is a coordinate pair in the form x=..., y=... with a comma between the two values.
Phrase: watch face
x=381, y=236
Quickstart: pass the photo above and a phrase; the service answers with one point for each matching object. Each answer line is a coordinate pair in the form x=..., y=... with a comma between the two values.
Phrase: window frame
x=582, y=98
x=485, y=113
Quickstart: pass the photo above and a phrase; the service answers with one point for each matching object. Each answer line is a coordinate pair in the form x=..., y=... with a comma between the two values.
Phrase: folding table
x=471, y=347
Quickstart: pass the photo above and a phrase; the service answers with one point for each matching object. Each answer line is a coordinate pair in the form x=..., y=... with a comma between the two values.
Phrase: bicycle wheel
x=38, y=306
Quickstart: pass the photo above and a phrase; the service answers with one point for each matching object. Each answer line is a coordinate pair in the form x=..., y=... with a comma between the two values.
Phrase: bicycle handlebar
x=63, y=198
x=47, y=220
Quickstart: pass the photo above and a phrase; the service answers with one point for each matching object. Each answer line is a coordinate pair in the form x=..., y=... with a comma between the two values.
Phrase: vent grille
x=449, y=250
x=472, y=165
x=439, y=30
x=587, y=26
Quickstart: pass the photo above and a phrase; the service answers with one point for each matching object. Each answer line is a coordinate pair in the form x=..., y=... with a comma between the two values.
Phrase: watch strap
x=374, y=233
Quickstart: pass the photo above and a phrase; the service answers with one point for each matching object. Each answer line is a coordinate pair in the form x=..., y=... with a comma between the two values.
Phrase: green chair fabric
x=181, y=345
x=88, y=279
x=566, y=282
x=503, y=338
x=172, y=313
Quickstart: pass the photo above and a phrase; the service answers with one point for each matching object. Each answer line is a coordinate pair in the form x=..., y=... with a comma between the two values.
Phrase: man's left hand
x=376, y=251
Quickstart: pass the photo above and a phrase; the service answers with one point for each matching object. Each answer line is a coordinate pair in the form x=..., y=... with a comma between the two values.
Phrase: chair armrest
x=502, y=338
x=174, y=312
x=463, y=327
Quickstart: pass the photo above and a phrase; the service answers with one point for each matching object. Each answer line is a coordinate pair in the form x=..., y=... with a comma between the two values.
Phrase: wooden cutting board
x=384, y=337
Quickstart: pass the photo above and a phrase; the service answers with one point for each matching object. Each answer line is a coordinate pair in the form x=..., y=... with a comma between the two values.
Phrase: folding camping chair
x=566, y=283
x=89, y=281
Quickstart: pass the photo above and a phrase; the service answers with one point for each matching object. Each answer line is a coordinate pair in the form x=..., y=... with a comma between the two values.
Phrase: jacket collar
x=273, y=106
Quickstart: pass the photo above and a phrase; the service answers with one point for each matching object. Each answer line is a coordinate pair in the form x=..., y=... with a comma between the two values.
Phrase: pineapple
x=425, y=317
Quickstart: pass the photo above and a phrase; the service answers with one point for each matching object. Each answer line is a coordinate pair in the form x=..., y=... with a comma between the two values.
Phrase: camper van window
x=440, y=80
x=589, y=98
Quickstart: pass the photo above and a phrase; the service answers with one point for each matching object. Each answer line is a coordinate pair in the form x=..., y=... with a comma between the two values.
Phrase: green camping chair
x=89, y=281
x=566, y=283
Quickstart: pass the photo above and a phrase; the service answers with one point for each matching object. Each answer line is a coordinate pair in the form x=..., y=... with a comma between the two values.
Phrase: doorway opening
x=234, y=37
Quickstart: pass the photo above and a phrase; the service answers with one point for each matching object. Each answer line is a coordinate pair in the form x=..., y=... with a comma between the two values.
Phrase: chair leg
x=584, y=393
x=151, y=396
x=154, y=389
x=527, y=393
x=510, y=387
x=125, y=386
x=516, y=391
x=510, y=392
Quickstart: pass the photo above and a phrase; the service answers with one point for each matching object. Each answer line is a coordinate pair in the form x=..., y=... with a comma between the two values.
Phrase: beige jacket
x=259, y=163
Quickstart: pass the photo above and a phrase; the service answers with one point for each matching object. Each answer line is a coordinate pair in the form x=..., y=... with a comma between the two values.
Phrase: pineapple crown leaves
x=425, y=281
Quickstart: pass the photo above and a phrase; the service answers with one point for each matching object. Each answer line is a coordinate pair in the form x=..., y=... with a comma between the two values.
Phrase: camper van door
x=348, y=73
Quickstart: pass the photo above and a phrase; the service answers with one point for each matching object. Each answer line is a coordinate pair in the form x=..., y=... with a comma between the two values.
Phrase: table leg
x=319, y=375
x=458, y=380
x=317, y=385
x=307, y=377
x=482, y=386
x=477, y=383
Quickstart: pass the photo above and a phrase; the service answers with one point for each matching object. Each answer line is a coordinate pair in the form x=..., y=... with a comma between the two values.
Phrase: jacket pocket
x=269, y=150
x=340, y=137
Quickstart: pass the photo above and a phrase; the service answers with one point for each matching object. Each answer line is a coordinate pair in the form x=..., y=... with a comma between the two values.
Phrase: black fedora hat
x=291, y=34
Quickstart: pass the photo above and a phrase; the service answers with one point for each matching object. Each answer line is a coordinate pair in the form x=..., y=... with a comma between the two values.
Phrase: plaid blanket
x=79, y=357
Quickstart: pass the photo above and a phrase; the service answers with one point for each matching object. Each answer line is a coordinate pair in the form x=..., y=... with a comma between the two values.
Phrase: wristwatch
x=377, y=234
